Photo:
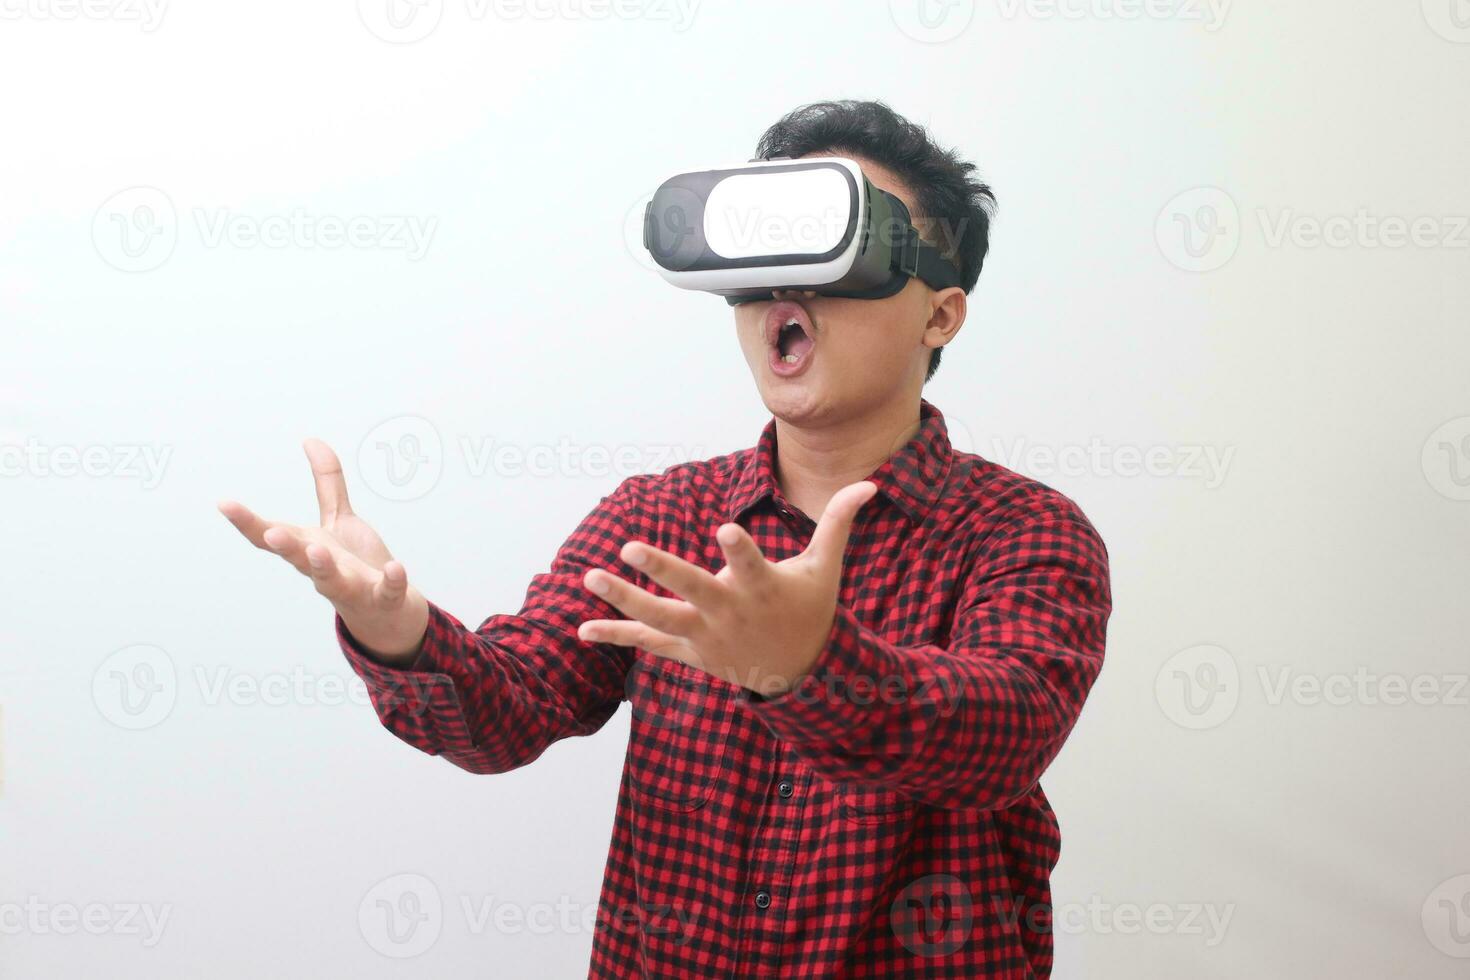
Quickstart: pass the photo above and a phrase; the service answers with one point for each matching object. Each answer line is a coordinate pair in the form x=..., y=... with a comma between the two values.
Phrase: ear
x=947, y=308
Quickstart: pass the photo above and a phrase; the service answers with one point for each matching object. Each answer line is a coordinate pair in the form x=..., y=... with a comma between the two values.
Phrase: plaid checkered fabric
x=880, y=819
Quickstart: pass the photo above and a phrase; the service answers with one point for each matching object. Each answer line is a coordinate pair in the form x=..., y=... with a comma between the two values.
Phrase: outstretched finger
x=247, y=522
x=331, y=485
x=325, y=573
x=290, y=543
x=667, y=615
x=829, y=540
x=628, y=633
x=742, y=555
x=685, y=579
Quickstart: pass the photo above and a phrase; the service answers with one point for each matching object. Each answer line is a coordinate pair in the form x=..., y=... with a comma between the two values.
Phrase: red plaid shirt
x=881, y=819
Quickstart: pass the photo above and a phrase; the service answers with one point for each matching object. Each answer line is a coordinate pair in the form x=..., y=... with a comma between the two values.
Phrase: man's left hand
x=757, y=623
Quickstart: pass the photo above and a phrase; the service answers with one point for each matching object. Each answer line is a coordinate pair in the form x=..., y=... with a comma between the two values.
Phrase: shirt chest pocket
x=867, y=804
x=681, y=725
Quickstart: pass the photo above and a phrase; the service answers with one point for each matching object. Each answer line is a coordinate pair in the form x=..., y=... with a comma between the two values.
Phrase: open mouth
x=790, y=337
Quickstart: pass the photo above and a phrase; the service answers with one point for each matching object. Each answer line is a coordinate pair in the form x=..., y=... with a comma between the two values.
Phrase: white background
x=1215, y=823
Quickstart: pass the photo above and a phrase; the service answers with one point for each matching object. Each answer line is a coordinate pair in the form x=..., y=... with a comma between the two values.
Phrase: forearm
x=970, y=729
x=468, y=696
x=974, y=722
x=493, y=698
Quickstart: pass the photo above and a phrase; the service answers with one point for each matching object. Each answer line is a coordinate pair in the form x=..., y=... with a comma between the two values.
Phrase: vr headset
x=815, y=223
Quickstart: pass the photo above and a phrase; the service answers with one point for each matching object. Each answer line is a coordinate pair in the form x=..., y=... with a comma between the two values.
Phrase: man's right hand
x=347, y=562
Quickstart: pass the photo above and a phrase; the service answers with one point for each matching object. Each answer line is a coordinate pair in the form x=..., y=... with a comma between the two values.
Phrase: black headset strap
x=923, y=259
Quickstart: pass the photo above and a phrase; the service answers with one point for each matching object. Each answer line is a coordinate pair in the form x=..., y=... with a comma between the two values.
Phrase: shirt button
x=785, y=789
x=762, y=900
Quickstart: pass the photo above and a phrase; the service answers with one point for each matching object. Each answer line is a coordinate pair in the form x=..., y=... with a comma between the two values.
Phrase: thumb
x=829, y=540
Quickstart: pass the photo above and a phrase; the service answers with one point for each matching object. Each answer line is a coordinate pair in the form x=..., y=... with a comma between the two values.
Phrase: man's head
x=858, y=352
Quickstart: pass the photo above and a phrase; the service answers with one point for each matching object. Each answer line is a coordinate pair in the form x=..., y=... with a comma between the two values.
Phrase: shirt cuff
x=841, y=690
x=409, y=687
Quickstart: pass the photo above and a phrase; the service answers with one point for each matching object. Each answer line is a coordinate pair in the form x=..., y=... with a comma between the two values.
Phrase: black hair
x=954, y=206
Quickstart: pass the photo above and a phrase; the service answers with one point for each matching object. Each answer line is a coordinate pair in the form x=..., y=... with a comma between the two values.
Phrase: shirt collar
x=912, y=477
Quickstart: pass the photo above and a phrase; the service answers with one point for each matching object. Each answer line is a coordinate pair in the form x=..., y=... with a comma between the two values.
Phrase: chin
x=794, y=403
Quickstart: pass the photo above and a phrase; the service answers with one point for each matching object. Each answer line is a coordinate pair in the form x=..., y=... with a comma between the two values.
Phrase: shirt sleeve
x=975, y=723
x=496, y=697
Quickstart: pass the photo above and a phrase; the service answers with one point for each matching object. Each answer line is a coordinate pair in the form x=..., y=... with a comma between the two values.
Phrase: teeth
x=790, y=358
x=793, y=322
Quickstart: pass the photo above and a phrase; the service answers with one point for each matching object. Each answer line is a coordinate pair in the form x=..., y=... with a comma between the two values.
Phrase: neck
x=814, y=463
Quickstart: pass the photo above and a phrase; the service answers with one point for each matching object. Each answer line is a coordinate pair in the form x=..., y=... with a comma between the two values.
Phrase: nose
x=780, y=294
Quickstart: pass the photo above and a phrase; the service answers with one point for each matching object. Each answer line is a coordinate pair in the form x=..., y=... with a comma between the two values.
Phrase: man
x=838, y=724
